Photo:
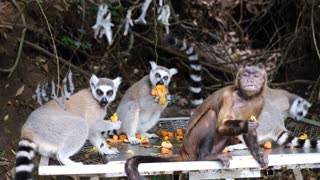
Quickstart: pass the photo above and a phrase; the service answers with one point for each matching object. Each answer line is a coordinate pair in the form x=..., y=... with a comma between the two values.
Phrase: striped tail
x=24, y=160
x=195, y=74
x=287, y=139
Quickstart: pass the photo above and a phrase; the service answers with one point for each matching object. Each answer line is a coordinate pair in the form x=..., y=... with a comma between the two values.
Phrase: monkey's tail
x=195, y=74
x=288, y=139
x=24, y=160
x=131, y=165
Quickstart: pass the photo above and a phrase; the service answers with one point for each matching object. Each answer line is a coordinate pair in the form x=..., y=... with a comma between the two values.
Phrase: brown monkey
x=224, y=114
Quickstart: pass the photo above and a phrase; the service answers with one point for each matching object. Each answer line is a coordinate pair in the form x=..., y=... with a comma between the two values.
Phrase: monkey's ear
x=93, y=81
x=173, y=71
x=153, y=65
x=260, y=66
x=117, y=82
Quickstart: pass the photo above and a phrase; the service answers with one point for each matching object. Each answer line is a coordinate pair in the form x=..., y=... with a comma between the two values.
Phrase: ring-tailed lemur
x=288, y=103
x=138, y=110
x=195, y=74
x=56, y=132
x=278, y=105
x=272, y=127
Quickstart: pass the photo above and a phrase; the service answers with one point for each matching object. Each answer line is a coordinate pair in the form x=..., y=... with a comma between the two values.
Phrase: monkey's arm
x=237, y=127
x=229, y=125
x=251, y=141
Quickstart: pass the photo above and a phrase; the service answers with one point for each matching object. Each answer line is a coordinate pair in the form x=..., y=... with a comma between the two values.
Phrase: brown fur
x=223, y=114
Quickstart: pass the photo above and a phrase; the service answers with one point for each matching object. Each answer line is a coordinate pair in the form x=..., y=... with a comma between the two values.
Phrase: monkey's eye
x=256, y=75
x=110, y=93
x=157, y=75
x=165, y=77
x=99, y=92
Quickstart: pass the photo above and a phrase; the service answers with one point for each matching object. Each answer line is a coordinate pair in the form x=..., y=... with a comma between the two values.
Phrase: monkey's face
x=104, y=90
x=252, y=79
x=299, y=108
x=161, y=75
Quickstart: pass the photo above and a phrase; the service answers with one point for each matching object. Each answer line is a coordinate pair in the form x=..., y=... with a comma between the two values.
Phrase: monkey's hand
x=263, y=160
x=252, y=125
x=224, y=160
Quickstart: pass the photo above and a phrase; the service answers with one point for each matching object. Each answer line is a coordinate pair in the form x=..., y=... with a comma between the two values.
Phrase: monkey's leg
x=237, y=127
x=251, y=141
x=131, y=121
x=203, y=135
x=99, y=142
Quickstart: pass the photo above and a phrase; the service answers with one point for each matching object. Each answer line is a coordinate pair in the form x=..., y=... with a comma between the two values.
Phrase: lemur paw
x=156, y=99
x=150, y=135
x=168, y=97
x=134, y=140
x=107, y=151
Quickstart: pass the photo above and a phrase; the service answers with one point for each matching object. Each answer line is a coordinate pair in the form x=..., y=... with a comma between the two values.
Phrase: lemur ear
x=153, y=65
x=245, y=65
x=117, y=82
x=173, y=71
x=93, y=81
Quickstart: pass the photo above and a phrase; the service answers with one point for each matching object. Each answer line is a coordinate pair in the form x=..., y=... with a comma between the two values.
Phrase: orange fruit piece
x=267, y=145
x=123, y=137
x=154, y=92
x=165, y=151
x=179, y=138
x=115, y=137
x=138, y=136
x=164, y=133
x=179, y=132
x=166, y=138
x=170, y=134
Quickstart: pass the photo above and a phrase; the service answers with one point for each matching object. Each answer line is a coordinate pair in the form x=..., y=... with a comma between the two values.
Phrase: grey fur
x=60, y=133
x=138, y=109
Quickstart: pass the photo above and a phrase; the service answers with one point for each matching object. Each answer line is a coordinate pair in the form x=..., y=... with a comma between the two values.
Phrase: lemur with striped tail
x=56, y=132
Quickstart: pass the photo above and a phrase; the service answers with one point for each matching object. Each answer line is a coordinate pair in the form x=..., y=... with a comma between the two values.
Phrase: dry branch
x=76, y=68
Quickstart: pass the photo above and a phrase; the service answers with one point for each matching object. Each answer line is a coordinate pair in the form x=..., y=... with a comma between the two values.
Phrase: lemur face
x=299, y=108
x=104, y=90
x=161, y=75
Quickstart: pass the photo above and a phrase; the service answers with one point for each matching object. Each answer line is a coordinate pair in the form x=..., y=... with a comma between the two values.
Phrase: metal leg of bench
x=297, y=174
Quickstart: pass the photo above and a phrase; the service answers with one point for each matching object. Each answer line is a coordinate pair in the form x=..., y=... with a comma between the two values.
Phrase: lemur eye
x=245, y=74
x=157, y=75
x=110, y=93
x=165, y=77
x=99, y=92
x=256, y=75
